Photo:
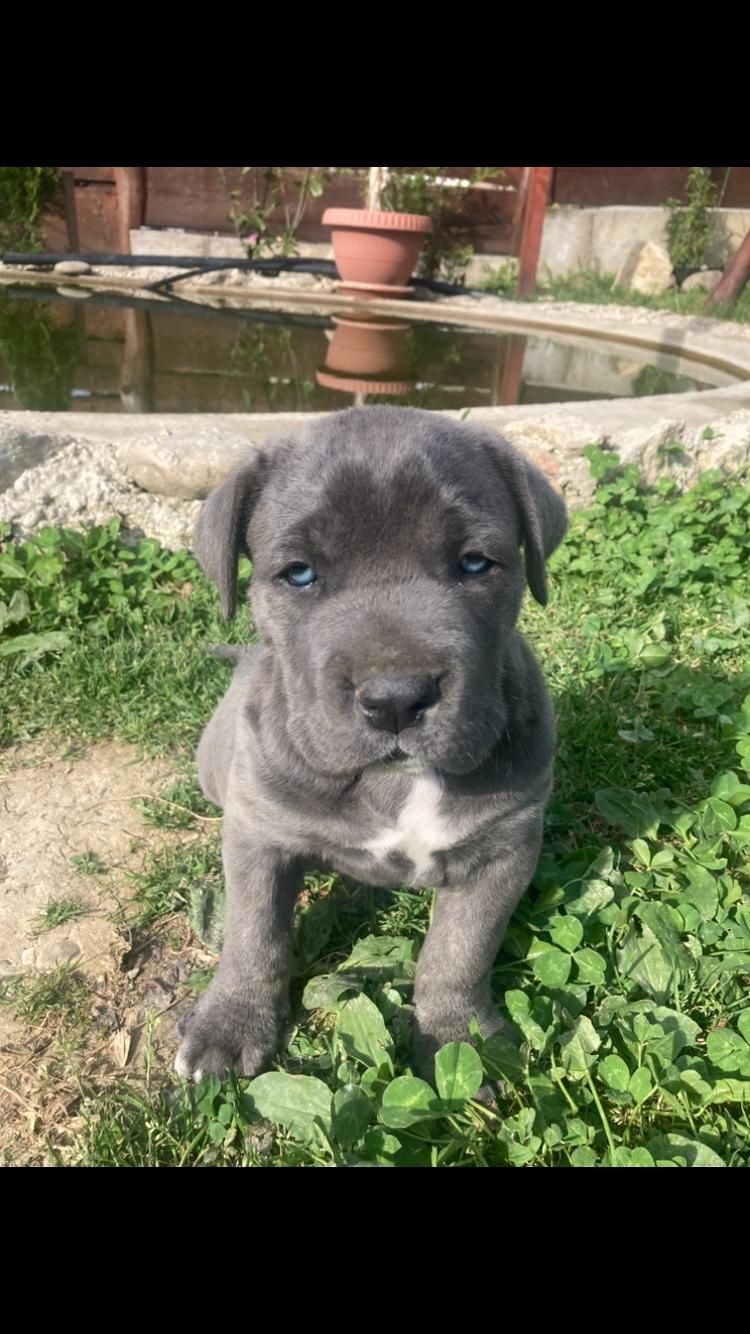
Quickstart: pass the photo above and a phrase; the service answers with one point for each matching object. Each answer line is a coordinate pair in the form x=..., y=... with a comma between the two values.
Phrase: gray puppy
x=392, y=725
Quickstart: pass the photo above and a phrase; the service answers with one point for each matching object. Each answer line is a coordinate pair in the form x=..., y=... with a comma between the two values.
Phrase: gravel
x=83, y=484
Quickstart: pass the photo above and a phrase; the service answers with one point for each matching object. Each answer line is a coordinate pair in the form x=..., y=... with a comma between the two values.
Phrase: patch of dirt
x=70, y=829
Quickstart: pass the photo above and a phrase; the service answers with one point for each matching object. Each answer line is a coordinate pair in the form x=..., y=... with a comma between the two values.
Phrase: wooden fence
x=197, y=199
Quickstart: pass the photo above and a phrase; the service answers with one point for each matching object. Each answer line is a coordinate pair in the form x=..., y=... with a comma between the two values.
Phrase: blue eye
x=473, y=563
x=300, y=576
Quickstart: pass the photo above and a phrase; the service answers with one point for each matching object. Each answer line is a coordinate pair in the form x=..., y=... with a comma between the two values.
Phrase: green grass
x=61, y=993
x=179, y=807
x=88, y=624
x=58, y=911
x=599, y=289
x=625, y=969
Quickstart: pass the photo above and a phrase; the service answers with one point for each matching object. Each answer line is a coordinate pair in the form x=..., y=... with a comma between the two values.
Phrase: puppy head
x=387, y=578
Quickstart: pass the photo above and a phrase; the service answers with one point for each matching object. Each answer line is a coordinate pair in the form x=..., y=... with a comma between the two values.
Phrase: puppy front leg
x=454, y=970
x=238, y=1023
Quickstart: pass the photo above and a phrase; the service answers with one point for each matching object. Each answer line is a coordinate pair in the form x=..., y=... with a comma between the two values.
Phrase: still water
x=109, y=354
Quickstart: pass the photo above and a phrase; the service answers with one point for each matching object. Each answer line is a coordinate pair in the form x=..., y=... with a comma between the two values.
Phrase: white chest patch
x=420, y=829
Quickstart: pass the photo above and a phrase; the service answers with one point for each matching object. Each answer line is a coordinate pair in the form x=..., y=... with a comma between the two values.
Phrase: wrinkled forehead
x=350, y=497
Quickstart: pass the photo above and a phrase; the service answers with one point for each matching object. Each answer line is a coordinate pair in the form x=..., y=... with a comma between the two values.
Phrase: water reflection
x=117, y=354
x=367, y=355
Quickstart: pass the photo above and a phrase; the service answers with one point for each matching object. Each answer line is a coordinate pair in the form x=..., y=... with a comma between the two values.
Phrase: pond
x=104, y=353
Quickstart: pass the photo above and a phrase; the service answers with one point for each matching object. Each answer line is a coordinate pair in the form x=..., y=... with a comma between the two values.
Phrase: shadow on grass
x=675, y=745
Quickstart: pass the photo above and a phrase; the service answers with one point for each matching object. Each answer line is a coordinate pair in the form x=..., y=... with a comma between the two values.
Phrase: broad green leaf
x=743, y=1024
x=578, y=1047
x=361, y=1030
x=730, y=1090
x=571, y=998
x=694, y=1081
x=729, y=1051
x=729, y=788
x=614, y=1072
x=656, y=917
x=381, y=957
x=642, y=960
x=640, y=1084
x=654, y=655
x=591, y=966
x=380, y=1146
x=595, y=894
x=548, y=1099
x=566, y=932
x=741, y=835
x=718, y=817
x=292, y=1101
x=603, y=865
x=206, y=1092
x=375, y=1075
x=624, y=1157
x=326, y=991
x=663, y=1032
x=352, y=1112
x=641, y=1158
x=408, y=1100
x=583, y=1157
x=701, y=891
x=631, y=811
x=609, y=1008
x=642, y=851
x=502, y=1060
x=552, y=968
x=691, y=1151
x=12, y=569
x=519, y=1008
x=664, y=857
x=388, y=1000
x=519, y=1155
x=458, y=1073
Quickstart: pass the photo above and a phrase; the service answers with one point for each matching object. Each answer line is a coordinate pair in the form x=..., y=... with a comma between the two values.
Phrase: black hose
x=323, y=268
x=45, y=258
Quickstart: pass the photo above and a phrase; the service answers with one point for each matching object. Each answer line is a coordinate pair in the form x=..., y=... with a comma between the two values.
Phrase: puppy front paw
x=222, y=1033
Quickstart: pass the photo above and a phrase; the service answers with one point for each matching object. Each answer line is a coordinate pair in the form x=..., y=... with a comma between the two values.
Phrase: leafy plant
x=426, y=190
x=266, y=191
x=25, y=192
x=689, y=222
x=61, y=580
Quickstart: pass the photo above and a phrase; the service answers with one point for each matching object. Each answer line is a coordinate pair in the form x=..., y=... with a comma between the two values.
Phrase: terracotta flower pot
x=378, y=251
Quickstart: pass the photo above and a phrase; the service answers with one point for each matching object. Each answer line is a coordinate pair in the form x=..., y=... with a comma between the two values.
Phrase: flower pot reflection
x=368, y=356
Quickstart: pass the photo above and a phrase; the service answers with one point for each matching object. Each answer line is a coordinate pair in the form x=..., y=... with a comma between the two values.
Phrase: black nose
x=393, y=703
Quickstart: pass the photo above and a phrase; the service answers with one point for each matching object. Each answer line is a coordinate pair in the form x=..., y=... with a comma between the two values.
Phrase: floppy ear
x=544, y=518
x=221, y=530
